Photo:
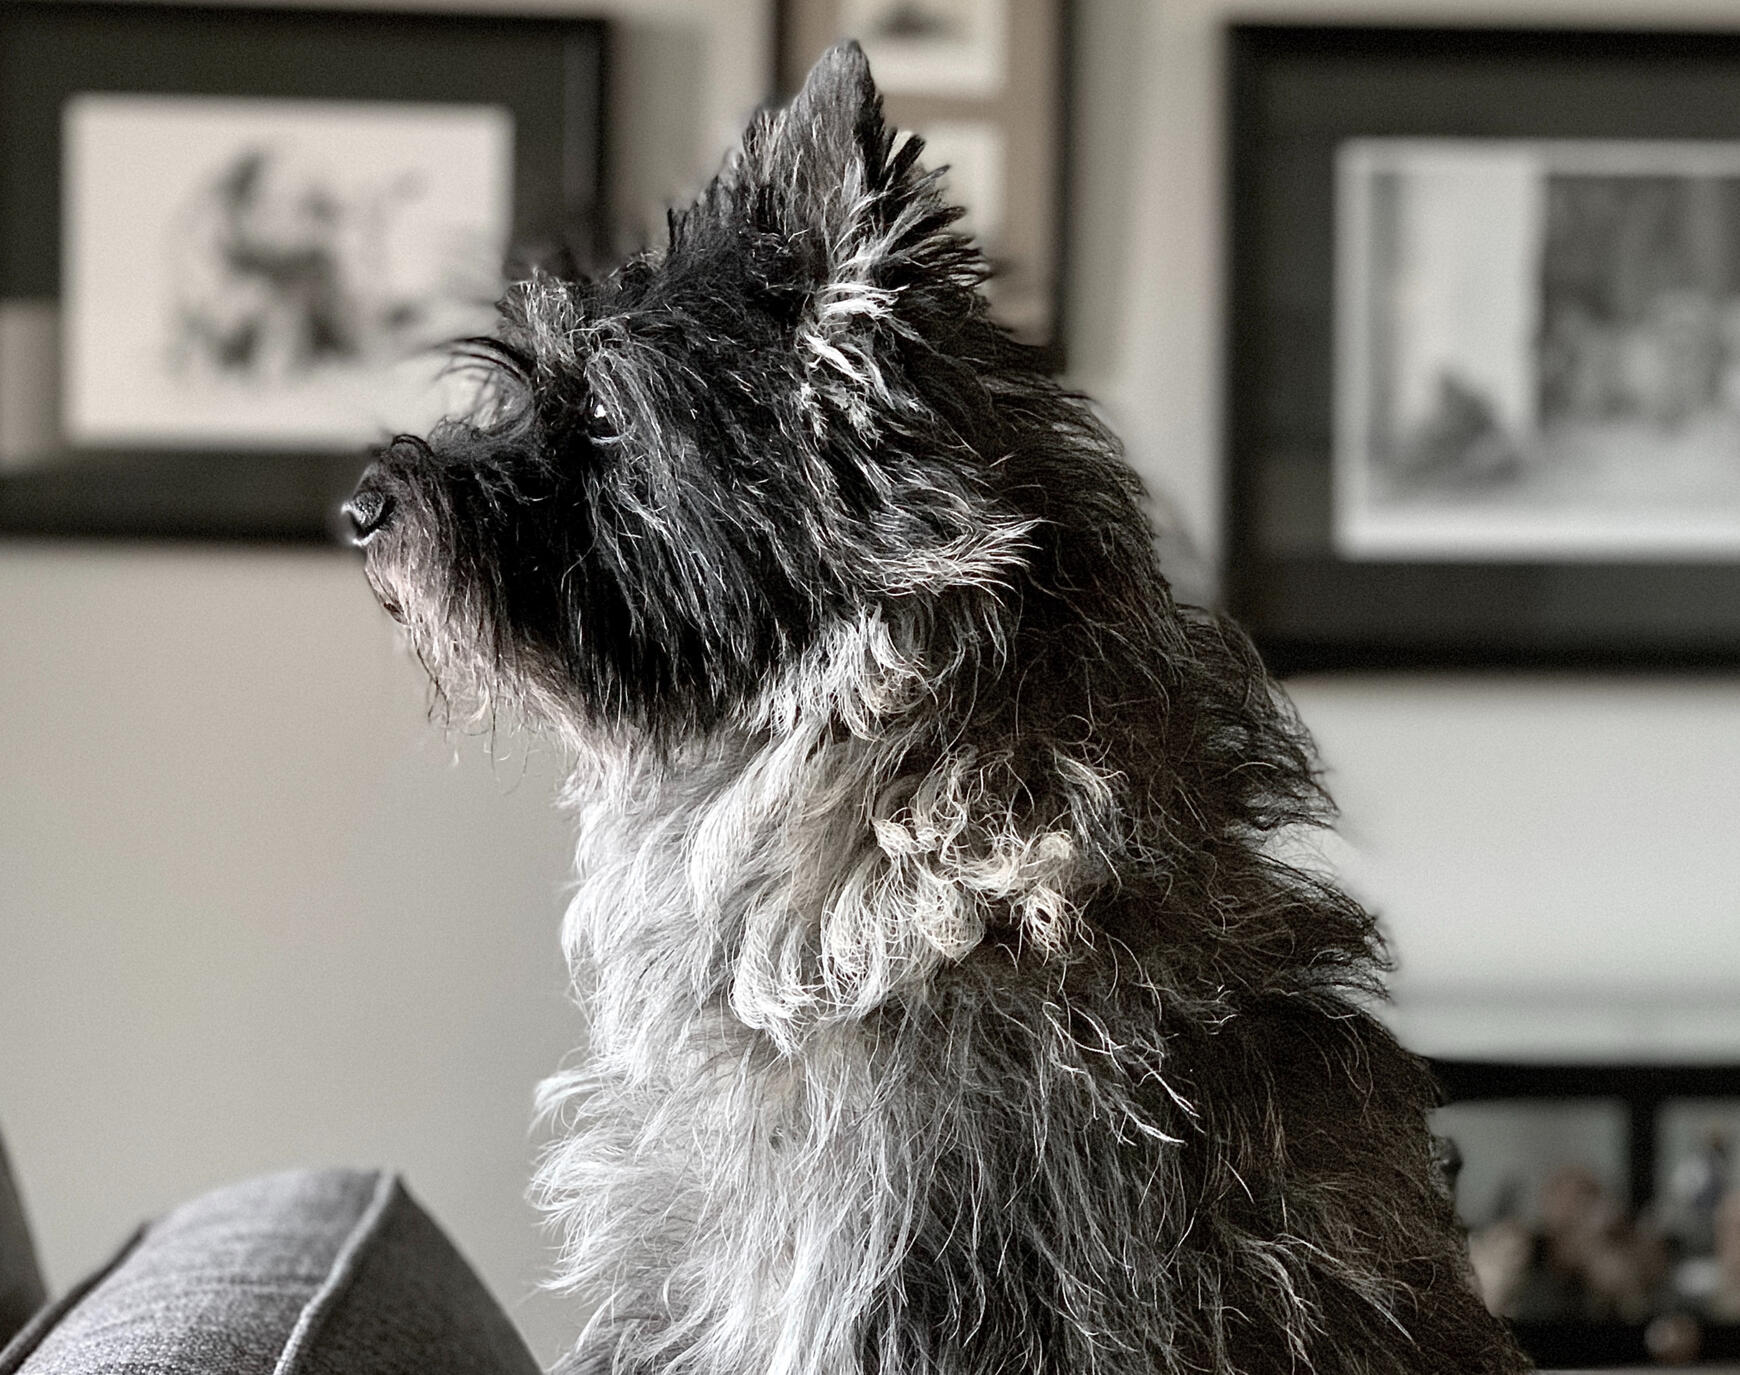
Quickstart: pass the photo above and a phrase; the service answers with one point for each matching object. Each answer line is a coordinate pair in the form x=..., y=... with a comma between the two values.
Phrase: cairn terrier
x=953, y=1009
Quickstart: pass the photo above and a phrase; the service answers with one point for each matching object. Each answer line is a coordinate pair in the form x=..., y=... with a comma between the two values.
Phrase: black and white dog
x=952, y=1007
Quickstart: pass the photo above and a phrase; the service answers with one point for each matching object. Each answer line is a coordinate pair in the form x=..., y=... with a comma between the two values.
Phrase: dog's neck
x=805, y=875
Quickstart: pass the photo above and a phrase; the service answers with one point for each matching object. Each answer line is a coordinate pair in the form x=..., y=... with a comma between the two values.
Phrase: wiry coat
x=951, y=1008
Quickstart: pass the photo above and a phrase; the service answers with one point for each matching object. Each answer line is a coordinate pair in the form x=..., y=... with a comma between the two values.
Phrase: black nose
x=368, y=509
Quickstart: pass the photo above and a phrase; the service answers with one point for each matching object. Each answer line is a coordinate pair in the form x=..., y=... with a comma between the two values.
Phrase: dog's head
x=732, y=458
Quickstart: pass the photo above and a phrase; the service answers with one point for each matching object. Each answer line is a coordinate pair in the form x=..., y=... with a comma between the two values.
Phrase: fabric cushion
x=332, y=1272
x=20, y=1281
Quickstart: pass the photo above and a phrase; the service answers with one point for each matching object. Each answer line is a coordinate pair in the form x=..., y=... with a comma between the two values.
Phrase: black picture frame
x=1294, y=93
x=551, y=74
x=1645, y=1094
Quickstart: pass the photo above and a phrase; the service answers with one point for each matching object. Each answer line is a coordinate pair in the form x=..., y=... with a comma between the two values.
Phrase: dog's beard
x=426, y=566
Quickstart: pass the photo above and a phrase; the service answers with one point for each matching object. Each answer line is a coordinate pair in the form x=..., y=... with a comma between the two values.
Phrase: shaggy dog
x=953, y=1008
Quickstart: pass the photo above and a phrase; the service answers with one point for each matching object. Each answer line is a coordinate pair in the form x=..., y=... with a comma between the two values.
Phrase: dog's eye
x=598, y=423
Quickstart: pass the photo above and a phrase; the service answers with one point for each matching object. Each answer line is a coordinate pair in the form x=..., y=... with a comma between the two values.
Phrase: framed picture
x=1603, y=1205
x=983, y=82
x=1484, y=346
x=233, y=243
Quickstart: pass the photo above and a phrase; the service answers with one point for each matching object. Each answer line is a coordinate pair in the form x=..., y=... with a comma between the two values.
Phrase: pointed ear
x=838, y=114
x=867, y=238
x=812, y=165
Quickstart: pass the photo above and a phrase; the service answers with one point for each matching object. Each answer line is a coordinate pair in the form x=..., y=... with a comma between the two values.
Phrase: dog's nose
x=369, y=509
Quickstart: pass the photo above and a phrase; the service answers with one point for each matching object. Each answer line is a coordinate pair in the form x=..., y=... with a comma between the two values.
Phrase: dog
x=954, y=1008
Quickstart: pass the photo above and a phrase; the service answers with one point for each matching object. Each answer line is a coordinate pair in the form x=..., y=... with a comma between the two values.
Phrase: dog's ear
x=868, y=244
x=825, y=173
x=833, y=133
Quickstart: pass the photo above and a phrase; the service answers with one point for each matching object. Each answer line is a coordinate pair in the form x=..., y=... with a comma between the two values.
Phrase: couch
x=314, y=1272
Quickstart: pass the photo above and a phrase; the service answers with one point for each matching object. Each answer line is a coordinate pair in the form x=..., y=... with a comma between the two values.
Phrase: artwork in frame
x=1484, y=346
x=250, y=236
x=1537, y=349
x=263, y=273
x=983, y=82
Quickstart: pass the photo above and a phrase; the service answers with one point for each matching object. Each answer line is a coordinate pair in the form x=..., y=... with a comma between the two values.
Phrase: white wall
x=1554, y=856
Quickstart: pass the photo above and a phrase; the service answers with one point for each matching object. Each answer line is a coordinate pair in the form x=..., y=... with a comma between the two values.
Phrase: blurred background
x=257, y=911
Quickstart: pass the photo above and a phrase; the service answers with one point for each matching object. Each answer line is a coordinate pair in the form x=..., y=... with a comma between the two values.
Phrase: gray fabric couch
x=315, y=1272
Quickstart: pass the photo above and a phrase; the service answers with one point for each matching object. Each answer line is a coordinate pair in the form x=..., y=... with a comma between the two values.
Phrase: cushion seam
x=344, y=1267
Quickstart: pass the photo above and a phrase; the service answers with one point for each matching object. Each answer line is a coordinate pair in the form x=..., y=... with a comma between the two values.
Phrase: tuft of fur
x=953, y=1010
